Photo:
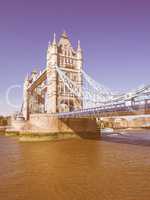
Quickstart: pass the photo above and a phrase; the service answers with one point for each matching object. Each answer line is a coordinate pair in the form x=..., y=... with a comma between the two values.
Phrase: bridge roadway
x=108, y=111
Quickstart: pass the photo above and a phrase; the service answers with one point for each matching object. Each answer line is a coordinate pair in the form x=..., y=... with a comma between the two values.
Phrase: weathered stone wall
x=49, y=123
x=17, y=125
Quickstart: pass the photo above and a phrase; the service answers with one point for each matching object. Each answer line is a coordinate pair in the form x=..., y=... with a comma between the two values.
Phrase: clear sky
x=115, y=36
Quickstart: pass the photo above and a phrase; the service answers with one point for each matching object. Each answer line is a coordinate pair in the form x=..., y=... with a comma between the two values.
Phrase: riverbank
x=35, y=137
x=38, y=137
x=135, y=136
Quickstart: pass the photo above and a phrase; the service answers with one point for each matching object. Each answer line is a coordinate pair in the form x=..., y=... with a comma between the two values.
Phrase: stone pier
x=51, y=127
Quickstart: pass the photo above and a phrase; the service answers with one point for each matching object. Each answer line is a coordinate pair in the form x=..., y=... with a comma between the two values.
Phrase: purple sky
x=115, y=36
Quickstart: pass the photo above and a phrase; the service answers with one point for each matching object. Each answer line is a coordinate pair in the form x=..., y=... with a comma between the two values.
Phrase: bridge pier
x=55, y=128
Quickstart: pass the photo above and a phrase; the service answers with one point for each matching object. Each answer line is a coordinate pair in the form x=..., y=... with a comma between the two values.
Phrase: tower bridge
x=64, y=91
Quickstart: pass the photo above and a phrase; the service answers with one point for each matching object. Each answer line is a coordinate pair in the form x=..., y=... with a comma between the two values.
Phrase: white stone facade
x=47, y=93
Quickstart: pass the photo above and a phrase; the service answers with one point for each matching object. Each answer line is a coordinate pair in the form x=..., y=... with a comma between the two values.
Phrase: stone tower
x=70, y=61
x=25, y=107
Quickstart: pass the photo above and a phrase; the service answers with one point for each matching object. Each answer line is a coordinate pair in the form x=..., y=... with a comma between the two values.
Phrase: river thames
x=74, y=170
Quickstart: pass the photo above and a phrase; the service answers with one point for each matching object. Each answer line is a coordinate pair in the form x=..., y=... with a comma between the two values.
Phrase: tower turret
x=79, y=56
x=25, y=98
x=34, y=75
x=52, y=60
x=52, y=53
x=79, y=47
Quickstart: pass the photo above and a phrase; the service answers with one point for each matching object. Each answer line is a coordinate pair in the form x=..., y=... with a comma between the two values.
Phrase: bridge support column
x=25, y=106
x=51, y=91
x=55, y=128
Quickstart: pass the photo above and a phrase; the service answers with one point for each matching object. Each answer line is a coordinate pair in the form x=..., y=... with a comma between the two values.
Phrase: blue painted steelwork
x=108, y=110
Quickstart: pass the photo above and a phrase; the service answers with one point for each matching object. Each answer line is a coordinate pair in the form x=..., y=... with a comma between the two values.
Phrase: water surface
x=74, y=170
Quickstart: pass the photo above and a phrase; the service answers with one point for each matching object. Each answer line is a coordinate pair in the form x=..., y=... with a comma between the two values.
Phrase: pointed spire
x=64, y=34
x=54, y=39
x=49, y=43
x=26, y=81
x=79, y=46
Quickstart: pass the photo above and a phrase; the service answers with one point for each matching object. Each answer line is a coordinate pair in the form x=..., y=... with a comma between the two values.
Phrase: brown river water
x=74, y=170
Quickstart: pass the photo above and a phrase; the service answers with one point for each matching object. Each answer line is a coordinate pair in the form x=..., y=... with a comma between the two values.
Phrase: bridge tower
x=70, y=61
x=25, y=107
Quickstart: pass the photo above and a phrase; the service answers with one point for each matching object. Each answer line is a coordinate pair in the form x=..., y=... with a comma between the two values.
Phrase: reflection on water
x=73, y=170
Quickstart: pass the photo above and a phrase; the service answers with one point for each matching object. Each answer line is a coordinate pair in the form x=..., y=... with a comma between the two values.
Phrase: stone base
x=34, y=137
x=12, y=133
x=43, y=127
x=16, y=126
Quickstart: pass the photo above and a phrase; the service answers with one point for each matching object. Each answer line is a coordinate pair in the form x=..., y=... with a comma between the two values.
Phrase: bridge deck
x=116, y=110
